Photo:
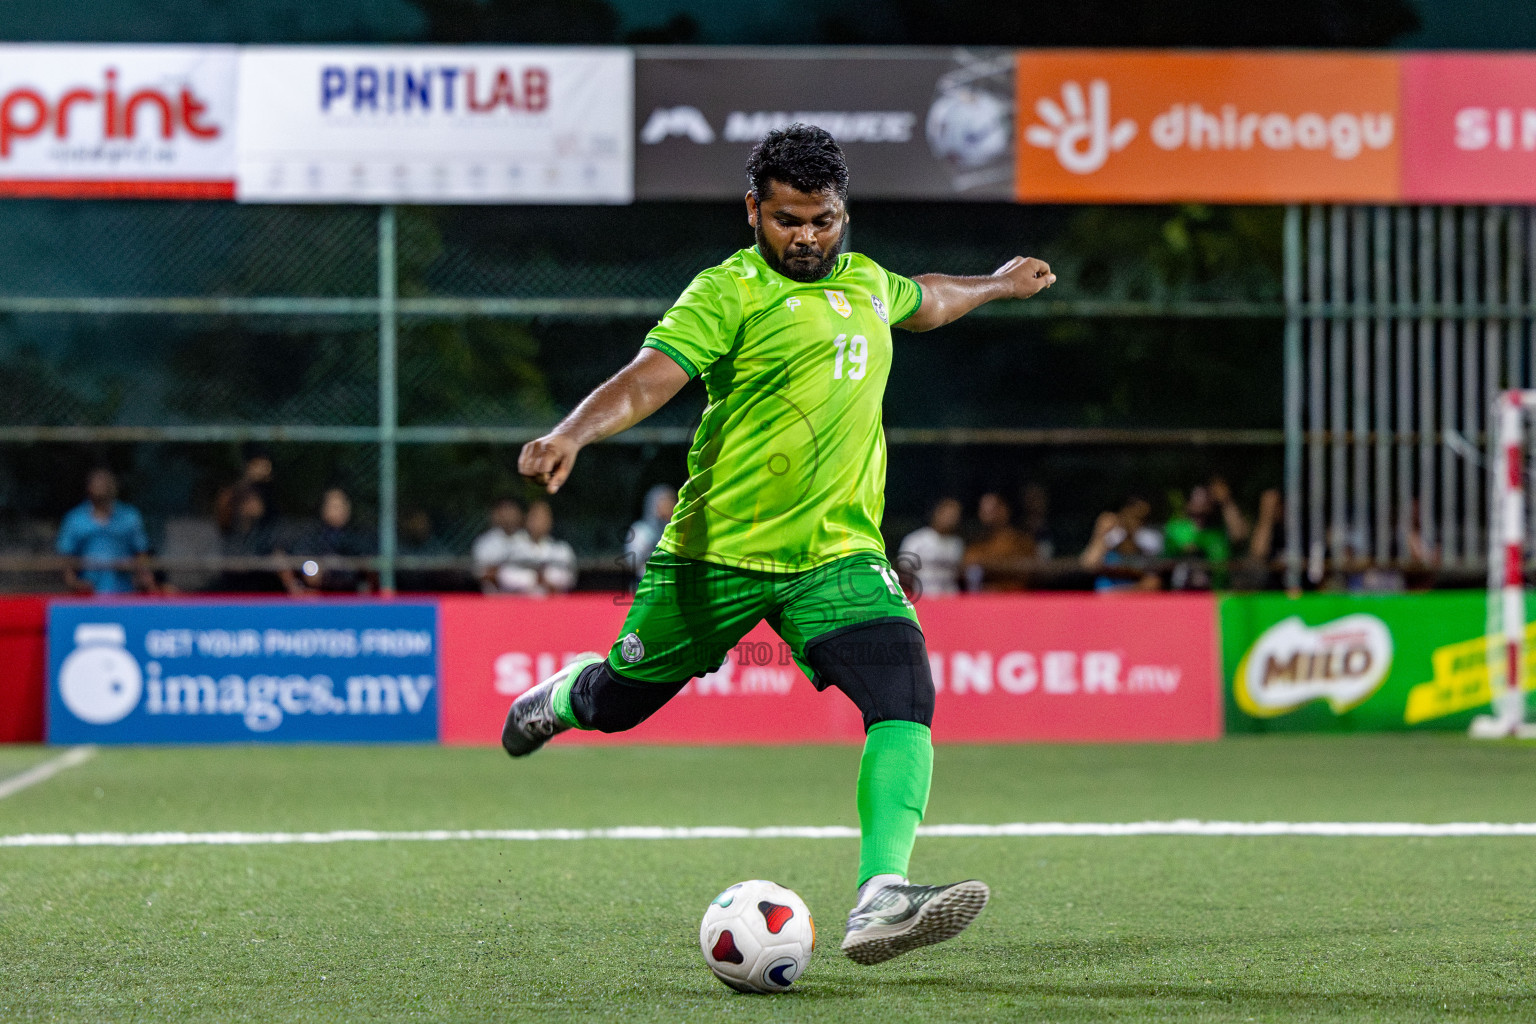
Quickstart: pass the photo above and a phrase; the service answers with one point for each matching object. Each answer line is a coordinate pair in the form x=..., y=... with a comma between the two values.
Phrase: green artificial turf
x=1080, y=929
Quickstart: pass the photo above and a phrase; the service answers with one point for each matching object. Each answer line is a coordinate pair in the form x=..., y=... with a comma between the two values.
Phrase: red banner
x=1065, y=667
x=1471, y=122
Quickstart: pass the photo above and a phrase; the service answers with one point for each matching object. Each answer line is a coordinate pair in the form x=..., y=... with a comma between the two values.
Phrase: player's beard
x=801, y=263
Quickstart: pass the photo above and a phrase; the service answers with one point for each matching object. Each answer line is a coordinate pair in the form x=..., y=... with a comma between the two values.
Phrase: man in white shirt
x=933, y=554
x=537, y=563
x=493, y=548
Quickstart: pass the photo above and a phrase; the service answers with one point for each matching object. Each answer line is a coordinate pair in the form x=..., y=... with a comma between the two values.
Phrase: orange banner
x=1142, y=126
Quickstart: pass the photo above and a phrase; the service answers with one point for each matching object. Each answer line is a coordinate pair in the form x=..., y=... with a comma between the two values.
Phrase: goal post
x=1508, y=675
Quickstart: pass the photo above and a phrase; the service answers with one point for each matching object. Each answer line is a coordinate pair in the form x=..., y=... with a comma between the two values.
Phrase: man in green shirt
x=780, y=517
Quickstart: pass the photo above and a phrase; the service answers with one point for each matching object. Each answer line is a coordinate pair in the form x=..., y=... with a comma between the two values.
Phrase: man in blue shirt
x=105, y=535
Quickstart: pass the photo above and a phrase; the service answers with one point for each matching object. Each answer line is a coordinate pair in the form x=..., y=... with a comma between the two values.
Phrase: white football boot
x=531, y=721
x=896, y=918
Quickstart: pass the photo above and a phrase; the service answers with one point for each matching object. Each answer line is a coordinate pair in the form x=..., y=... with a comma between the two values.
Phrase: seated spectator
x=998, y=560
x=105, y=536
x=249, y=536
x=493, y=548
x=645, y=532
x=332, y=536
x=537, y=564
x=257, y=476
x=1255, y=571
x=1122, y=546
x=418, y=539
x=1036, y=503
x=930, y=556
x=1202, y=540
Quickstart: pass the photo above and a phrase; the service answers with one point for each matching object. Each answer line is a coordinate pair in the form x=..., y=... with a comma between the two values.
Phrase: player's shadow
x=1019, y=975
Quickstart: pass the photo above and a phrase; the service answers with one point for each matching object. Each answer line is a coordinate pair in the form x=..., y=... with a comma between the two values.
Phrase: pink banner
x=1064, y=667
x=1469, y=128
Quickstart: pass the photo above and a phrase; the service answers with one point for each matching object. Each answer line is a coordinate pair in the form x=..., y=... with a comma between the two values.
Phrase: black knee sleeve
x=601, y=699
x=882, y=667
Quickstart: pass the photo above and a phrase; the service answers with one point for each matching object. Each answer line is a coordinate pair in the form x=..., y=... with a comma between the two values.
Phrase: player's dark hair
x=802, y=156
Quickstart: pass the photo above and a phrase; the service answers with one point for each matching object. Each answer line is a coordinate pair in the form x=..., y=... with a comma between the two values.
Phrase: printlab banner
x=914, y=127
x=1355, y=663
x=117, y=121
x=1063, y=667
x=435, y=125
x=205, y=672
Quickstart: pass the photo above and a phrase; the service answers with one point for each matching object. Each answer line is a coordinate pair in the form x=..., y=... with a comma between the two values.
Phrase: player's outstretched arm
x=629, y=396
x=947, y=298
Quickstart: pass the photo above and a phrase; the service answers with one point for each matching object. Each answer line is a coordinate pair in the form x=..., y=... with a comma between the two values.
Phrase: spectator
x=104, y=535
x=1254, y=572
x=1202, y=542
x=249, y=536
x=537, y=563
x=660, y=502
x=493, y=548
x=418, y=539
x=932, y=554
x=1123, y=545
x=257, y=476
x=998, y=560
x=331, y=537
x=1036, y=502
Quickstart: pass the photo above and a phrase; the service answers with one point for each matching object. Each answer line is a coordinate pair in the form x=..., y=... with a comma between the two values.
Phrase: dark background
x=983, y=372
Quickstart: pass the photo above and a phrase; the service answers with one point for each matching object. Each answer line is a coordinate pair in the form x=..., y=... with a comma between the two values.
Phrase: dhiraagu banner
x=1356, y=663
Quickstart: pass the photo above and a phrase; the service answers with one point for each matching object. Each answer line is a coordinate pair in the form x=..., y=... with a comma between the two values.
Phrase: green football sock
x=893, y=794
x=560, y=700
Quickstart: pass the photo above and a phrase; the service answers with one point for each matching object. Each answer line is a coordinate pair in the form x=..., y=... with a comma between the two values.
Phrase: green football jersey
x=787, y=468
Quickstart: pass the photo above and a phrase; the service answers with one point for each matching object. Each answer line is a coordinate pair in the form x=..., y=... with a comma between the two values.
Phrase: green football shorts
x=688, y=615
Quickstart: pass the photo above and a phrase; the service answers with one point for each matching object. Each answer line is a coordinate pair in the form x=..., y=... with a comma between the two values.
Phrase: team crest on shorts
x=874, y=300
x=631, y=649
x=840, y=303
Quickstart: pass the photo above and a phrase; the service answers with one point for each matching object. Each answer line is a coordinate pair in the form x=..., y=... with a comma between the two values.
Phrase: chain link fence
x=404, y=354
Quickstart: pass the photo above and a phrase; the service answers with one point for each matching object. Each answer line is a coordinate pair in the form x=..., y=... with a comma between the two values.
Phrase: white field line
x=1386, y=829
x=45, y=771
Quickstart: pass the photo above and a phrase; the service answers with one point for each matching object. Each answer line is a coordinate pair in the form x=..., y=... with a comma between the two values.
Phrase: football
x=757, y=937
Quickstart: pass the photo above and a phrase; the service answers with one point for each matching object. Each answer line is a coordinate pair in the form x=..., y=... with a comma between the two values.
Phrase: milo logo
x=1291, y=664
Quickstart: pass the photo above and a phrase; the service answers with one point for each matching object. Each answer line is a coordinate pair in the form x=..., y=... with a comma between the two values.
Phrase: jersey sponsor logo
x=840, y=303
x=874, y=300
x=631, y=649
x=792, y=302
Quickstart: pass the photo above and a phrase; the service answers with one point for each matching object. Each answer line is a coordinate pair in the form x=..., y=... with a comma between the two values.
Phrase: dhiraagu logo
x=1292, y=664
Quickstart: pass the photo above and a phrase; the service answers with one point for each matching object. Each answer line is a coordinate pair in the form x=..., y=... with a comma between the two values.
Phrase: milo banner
x=1348, y=663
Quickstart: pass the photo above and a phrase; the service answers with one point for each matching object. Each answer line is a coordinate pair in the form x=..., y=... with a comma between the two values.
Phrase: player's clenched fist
x=1027, y=275
x=547, y=460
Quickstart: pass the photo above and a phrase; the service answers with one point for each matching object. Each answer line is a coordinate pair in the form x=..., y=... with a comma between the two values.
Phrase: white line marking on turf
x=1028, y=829
x=45, y=771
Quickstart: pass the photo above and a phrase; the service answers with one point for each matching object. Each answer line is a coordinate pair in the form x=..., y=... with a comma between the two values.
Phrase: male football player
x=780, y=516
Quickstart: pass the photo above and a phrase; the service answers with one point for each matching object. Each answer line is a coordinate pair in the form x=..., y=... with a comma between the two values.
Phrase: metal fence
x=1402, y=326
x=1399, y=324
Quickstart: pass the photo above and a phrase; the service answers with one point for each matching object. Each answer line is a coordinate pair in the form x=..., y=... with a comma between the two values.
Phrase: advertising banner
x=1150, y=126
x=913, y=127
x=1355, y=663
x=1469, y=128
x=117, y=121
x=1060, y=667
x=207, y=672
x=435, y=125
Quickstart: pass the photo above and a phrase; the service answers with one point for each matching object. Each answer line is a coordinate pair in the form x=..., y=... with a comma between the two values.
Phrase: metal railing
x=1402, y=325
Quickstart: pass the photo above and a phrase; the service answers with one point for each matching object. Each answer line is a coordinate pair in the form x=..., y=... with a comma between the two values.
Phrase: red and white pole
x=1509, y=700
